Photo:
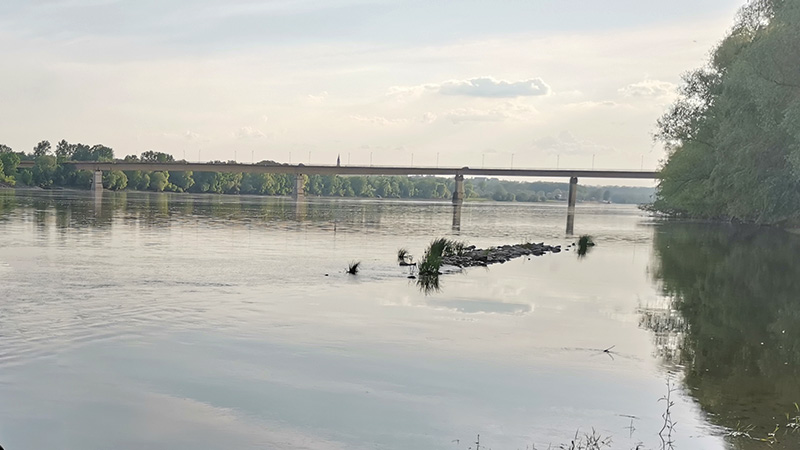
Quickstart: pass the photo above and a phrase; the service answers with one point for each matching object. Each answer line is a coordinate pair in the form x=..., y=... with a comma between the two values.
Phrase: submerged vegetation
x=732, y=136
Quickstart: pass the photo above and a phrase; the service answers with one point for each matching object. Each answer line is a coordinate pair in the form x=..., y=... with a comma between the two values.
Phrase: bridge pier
x=458, y=192
x=299, y=192
x=97, y=181
x=571, y=200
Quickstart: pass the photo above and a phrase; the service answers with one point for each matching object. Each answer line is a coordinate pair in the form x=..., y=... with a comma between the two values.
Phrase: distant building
x=338, y=161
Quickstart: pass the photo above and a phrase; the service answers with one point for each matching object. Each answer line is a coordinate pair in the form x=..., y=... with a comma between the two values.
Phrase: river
x=175, y=321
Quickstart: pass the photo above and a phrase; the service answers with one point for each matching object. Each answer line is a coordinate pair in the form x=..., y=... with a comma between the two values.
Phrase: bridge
x=299, y=170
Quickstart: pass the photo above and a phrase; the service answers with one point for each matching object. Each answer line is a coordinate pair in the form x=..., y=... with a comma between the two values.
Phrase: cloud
x=319, y=98
x=593, y=104
x=648, y=88
x=567, y=144
x=379, y=120
x=489, y=87
x=485, y=87
x=503, y=112
x=191, y=135
x=248, y=133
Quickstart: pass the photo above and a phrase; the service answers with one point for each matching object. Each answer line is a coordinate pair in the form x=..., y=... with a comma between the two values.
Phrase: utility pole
x=512, y=160
x=437, y=159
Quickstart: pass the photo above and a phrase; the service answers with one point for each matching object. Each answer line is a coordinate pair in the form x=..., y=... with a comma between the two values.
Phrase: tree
x=10, y=162
x=102, y=153
x=733, y=139
x=156, y=157
x=41, y=149
x=181, y=180
x=115, y=180
x=43, y=170
x=64, y=150
x=606, y=195
x=159, y=181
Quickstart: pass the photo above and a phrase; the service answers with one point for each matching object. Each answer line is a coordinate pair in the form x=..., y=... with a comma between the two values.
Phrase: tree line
x=49, y=171
x=733, y=135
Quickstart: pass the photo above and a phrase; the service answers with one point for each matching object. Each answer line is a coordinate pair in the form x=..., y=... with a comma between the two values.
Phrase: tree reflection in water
x=733, y=324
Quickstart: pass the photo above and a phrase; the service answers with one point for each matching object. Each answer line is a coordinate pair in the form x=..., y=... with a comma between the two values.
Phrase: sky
x=533, y=83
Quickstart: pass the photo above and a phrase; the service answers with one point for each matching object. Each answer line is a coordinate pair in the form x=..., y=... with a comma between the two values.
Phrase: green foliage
x=25, y=177
x=159, y=181
x=10, y=161
x=115, y=180
x=156, y=157
x=138, y=180
x=436, y=252
x=584, y=243
x=734, y=133
x=44, y=170
x=181, y=180
x=41, y=149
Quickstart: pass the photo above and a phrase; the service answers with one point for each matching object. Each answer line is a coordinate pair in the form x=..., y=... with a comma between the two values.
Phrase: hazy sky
x=471, y=80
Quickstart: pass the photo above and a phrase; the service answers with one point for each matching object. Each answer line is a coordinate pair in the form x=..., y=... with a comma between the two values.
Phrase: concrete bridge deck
x=301, y=169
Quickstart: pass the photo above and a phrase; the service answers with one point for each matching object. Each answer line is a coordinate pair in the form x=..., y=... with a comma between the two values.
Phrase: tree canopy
x=734, y=133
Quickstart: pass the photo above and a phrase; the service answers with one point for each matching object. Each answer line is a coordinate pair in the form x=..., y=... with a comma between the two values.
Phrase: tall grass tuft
x=436, y=252
x=432, y=260
x=584, y=243
x=403, y=256
x=353, y=267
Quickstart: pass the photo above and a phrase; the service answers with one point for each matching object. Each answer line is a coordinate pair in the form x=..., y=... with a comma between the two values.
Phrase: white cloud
x=248, y=133
x=318, y=98
x=503, y=112
x=486, y=87
x=191, y=135
x=379, y=120
x=593, y=104
x=649, y=88
x=567, y=144
x=490, y=87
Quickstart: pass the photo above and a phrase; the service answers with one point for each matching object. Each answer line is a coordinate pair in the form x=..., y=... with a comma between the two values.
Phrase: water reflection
x=737, y=291
x=457, y=217
x=429, y=284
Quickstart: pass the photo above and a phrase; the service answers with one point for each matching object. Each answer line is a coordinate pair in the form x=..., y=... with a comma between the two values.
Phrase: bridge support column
x=571, y=200
x=97, y=181
x=458, y=192
x=299, y=192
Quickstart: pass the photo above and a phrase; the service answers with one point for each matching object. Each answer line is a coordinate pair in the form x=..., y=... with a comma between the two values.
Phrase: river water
x=166, y=321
